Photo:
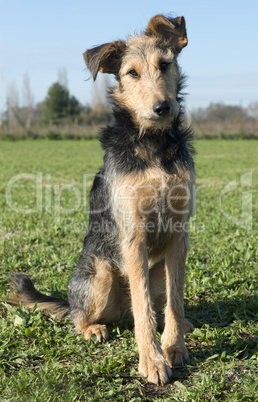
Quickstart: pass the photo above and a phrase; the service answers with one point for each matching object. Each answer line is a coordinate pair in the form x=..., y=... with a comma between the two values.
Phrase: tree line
x=57, y=111
x=229, y=121
x=61, y=112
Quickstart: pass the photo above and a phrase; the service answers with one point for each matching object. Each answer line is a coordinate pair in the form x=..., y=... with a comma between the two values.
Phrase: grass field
x=43, y=220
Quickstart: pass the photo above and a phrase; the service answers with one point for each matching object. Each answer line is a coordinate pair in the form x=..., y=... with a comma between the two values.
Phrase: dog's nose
x=161, y=108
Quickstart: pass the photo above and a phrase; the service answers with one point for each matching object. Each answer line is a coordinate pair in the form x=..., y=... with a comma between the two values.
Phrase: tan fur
x=174, y=32
x=103, y=299
x=173, y=344
x=152, y=364
x=52, y=309
x=157, y=281
x=138, y=197
x=139, y=95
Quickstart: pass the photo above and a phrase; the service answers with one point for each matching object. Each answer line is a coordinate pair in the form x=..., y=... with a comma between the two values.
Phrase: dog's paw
x=100, y=331
x=156, y=371
x=175, y=355
x=188, y=326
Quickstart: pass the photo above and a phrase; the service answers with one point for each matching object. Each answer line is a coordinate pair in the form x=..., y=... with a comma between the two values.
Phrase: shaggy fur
x=133, y=260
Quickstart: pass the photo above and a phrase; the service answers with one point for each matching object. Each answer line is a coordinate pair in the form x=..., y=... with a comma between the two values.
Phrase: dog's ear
x=172, y=30
x=105, y=58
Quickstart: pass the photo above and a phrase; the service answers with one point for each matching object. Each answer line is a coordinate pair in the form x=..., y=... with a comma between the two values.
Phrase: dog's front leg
x=173, y=343
x=152, y=364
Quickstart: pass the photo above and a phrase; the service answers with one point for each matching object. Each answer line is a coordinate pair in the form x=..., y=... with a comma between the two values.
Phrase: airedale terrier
x=133, y=259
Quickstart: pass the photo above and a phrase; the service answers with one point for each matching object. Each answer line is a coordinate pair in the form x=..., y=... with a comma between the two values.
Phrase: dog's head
x=146, y=70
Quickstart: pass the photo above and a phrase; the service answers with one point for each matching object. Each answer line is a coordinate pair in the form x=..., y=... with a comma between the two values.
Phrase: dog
x=133, y=261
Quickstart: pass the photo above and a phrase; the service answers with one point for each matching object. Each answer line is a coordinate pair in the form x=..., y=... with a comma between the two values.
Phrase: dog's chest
x=153, y=200
x=162, y=194
x=167, y=202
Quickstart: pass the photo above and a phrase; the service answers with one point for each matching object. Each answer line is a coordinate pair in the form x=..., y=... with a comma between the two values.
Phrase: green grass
x=44, y=360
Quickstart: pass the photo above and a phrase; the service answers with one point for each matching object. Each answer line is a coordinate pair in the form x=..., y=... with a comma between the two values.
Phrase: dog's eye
x=133, y=73
x=163, y=66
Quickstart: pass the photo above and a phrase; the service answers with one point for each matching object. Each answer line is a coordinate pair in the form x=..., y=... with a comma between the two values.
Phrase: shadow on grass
x=220, y=325
x=223, y=311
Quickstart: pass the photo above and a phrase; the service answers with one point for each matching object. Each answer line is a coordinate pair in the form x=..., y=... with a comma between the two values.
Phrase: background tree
x=62, y=77
x=28, y=101
x=221, y=113
x=253, y=110
x=56, y=103
x=59, y=104
x=19, y=117
x=12, y=106
x=74, y=106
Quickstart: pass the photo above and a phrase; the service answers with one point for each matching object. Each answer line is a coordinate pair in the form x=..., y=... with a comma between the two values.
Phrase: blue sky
x=40, y=37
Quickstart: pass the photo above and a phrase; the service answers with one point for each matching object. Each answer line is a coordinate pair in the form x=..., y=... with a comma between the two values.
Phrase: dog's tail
x=26, y=293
